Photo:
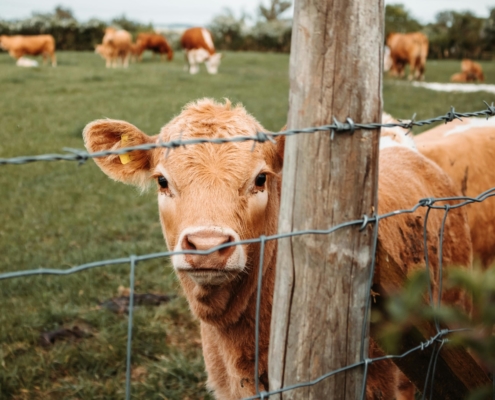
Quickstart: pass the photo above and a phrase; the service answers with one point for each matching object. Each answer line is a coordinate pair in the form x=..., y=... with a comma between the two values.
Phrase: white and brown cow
x=211, y=195
x=198, y=46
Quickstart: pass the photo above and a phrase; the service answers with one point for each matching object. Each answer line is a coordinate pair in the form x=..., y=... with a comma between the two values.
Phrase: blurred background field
x=61, y=214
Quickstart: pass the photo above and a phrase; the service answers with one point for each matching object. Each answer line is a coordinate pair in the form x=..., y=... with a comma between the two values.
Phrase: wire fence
x=436, y=341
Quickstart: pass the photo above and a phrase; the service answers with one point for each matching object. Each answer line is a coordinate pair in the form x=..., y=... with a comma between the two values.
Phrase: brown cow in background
x=459, y=77
x=154, y=42
x=408, y=48
x=473, y=70
x=117, y=44
x=19, y=46
x=470, y=72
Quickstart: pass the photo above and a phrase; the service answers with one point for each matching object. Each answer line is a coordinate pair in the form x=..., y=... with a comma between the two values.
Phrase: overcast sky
x=200, y=12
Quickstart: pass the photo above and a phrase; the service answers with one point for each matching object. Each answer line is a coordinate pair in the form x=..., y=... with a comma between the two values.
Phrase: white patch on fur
x=213, y=63
x=456, y=87
x=473, y=123
x=236, y=262
x=388, y=141
x=195, y=57
x=207, y=38
x=395, y=136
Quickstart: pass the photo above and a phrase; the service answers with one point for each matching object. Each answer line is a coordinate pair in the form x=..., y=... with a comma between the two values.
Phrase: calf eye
x=260, y=180
x=163, y=182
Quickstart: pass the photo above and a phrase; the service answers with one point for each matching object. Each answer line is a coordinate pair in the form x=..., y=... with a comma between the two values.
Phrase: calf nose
x=206, y=240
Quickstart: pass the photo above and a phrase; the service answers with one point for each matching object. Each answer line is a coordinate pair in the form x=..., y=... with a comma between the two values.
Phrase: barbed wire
x=349, y=126
x=445, y=203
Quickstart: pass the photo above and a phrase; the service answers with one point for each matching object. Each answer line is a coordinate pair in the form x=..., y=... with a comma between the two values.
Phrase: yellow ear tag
x=124, y=158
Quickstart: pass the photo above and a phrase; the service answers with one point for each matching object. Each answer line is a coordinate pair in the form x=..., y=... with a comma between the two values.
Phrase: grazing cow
x=465, y=150
x=211, y=195
x=198, y=46
x=408, y=48
x=154, y=42
x=119, y=43
x=19, y=46
x=473, y=70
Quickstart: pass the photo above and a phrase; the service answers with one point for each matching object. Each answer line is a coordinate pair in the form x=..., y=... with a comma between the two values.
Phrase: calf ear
x=107, y=134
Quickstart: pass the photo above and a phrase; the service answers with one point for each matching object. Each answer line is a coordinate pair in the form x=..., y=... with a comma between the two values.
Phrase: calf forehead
x=230, y=164
x=206, y=119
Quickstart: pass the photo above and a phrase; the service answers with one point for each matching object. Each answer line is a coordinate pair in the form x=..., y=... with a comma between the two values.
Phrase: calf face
x=209, y=195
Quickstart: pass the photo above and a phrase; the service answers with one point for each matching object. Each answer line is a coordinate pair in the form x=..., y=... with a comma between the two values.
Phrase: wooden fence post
x=322, y=280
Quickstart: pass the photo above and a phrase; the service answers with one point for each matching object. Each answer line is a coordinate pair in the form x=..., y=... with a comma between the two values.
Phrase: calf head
x=209, y=195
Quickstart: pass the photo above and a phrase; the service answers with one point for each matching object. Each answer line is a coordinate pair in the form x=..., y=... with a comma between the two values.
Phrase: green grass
x=60, y=214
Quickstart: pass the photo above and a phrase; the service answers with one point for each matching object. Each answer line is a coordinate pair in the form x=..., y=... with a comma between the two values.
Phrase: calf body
x=465, y=150
x=211, y=195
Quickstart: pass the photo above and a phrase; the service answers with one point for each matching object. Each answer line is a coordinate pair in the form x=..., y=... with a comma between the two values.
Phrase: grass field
x=60, y=214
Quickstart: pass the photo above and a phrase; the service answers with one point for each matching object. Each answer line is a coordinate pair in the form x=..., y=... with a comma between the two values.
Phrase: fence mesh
x=436, y=341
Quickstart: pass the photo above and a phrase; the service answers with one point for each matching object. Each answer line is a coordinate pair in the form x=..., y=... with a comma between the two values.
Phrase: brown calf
x=211, y=195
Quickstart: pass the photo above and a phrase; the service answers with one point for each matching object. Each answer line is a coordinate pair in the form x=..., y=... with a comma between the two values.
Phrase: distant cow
x=118, y=43
x=473, y=70
x=154, y=42
x=199, y=47
x=460, y=77
x=19, y=46
x=408, y=48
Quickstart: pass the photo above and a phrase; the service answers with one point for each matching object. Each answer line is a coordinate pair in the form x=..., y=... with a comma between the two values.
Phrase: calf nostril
x=227, y=249
x=187, y=244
